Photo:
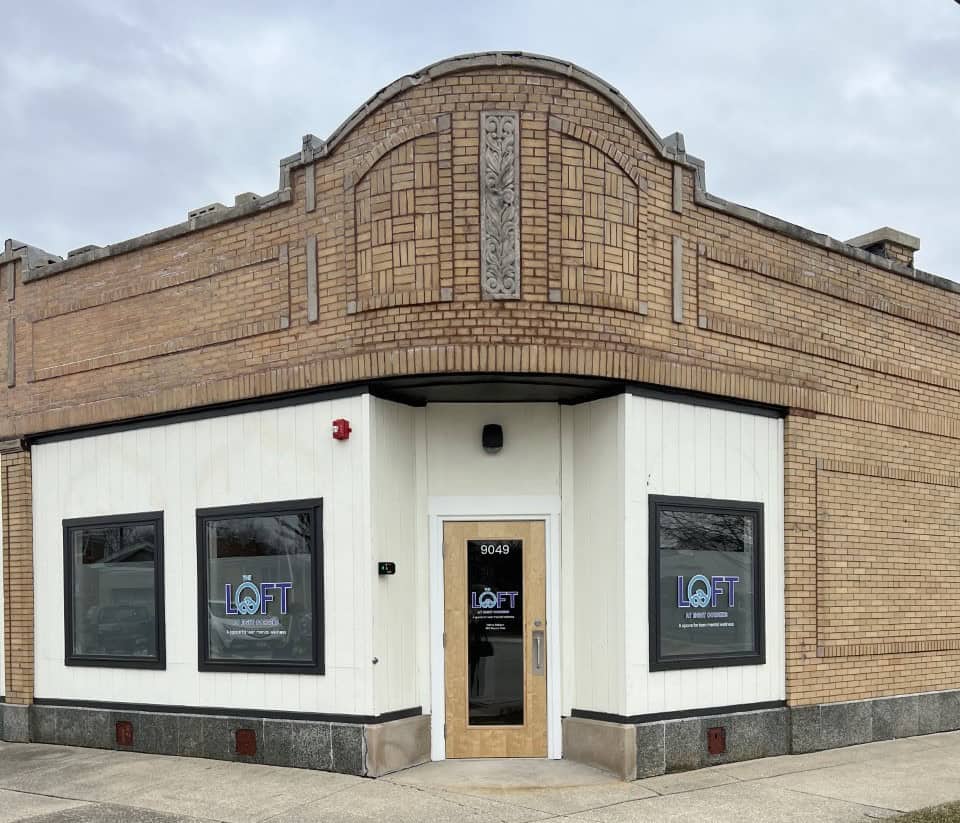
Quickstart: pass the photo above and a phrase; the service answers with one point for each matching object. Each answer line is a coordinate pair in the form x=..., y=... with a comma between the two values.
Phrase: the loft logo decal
x=702, y=591
x=246, y=603
x=488, y=599
x=249, y=598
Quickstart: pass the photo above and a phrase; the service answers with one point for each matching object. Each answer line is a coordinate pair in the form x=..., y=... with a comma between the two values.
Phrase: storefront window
x=706, y=580
x=260, y=587
x=113, y=582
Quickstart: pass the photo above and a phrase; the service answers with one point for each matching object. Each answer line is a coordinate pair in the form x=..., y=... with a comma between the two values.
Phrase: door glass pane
x=495, y=632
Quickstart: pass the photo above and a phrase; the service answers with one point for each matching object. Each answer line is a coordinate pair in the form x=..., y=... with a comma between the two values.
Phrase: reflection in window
x=262, y=572
x=705, y=531
x=114, y=602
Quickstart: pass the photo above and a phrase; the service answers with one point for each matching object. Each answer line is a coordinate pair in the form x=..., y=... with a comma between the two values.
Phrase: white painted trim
x=567, y=562
x=546, y=508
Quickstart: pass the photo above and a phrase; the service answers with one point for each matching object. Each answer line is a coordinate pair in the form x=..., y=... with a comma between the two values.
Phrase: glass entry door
x=495, y=639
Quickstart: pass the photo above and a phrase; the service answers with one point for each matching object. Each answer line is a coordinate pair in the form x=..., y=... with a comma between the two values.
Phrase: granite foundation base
x=15, y=723
x=364, y=749
x=679, y=745
x=832, y=725
x=635, y=750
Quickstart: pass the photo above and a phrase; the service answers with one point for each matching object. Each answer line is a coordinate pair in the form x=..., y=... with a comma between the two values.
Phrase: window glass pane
x=114, y=590
x=495, y=631
x=260, y=588
x=707, y=603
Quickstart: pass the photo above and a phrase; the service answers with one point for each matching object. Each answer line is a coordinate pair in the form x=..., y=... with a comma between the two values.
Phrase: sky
x=116, y=118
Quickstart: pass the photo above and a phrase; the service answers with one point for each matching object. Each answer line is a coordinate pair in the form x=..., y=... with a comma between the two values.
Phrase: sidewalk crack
x=844, y=800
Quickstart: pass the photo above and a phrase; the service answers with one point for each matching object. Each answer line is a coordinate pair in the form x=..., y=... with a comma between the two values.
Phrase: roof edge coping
x=90, y=254
x=671, y=149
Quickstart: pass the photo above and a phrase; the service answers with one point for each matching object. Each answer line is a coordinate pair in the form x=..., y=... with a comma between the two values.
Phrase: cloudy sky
x=117, y=117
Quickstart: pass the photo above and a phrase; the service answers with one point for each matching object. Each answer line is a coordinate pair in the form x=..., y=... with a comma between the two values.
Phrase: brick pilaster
x=17, y=494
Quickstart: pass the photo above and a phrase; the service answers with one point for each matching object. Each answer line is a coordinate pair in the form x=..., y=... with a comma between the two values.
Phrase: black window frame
x=70, y=658
x=204, y=663
x=660, y=662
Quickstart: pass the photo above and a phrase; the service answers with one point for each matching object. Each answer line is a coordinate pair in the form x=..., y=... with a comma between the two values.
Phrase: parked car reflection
x=122, y=630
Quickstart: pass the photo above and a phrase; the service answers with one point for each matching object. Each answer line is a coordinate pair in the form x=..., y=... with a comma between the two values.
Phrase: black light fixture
x=492, y=438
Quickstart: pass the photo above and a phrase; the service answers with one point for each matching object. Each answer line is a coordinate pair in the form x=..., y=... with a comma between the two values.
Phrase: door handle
x=538, y=663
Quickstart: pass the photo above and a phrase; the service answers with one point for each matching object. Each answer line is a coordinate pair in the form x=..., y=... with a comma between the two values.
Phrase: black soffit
x=473, y=388
x=525, y=388
x=423, y=389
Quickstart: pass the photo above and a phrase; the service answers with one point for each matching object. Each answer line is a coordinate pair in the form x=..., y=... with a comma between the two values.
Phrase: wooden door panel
x=480, y=738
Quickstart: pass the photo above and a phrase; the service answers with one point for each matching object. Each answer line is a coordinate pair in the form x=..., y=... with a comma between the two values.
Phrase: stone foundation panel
x=832, y=725
x=396, y=745
x=608, y=746
x=349, y=748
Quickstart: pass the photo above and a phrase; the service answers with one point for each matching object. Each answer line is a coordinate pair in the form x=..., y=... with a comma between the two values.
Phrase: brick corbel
x=13, y=446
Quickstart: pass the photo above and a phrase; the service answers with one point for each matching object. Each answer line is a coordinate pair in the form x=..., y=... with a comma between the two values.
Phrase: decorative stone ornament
x=499, y=205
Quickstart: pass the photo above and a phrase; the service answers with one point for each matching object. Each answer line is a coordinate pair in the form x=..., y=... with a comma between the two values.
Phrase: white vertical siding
x=398, y=533
x=604, y=458
x=528, y=465
x=256, y=457
x=422, y=561
x=680, y=449
x=597, y=555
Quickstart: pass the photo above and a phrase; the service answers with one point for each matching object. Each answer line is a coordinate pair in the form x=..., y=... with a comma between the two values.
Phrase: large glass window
x=113, y=585
x=261, y=601
x=706, y=598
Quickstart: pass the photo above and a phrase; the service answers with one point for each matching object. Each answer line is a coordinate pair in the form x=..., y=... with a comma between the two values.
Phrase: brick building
x=490, y=432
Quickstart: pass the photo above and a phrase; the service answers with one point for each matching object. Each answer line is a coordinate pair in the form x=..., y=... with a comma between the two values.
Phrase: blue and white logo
x=249, y=598
x=488, y=599
x=702, y=591
x=699, y=597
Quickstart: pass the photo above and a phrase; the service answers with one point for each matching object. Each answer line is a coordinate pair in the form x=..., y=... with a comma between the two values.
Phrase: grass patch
x=950, y=813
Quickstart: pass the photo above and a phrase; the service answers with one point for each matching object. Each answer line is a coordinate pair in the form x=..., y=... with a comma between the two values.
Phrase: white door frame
x=442, y=509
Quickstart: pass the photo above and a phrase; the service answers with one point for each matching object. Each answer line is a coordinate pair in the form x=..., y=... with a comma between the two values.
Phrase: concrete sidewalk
x=55, y=784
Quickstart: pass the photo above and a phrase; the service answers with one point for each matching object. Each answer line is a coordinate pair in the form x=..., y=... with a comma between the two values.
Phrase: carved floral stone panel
x=499, y=205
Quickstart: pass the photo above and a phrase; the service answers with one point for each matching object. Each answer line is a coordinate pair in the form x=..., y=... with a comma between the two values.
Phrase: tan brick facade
x=369, y=267
x=17, y=491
